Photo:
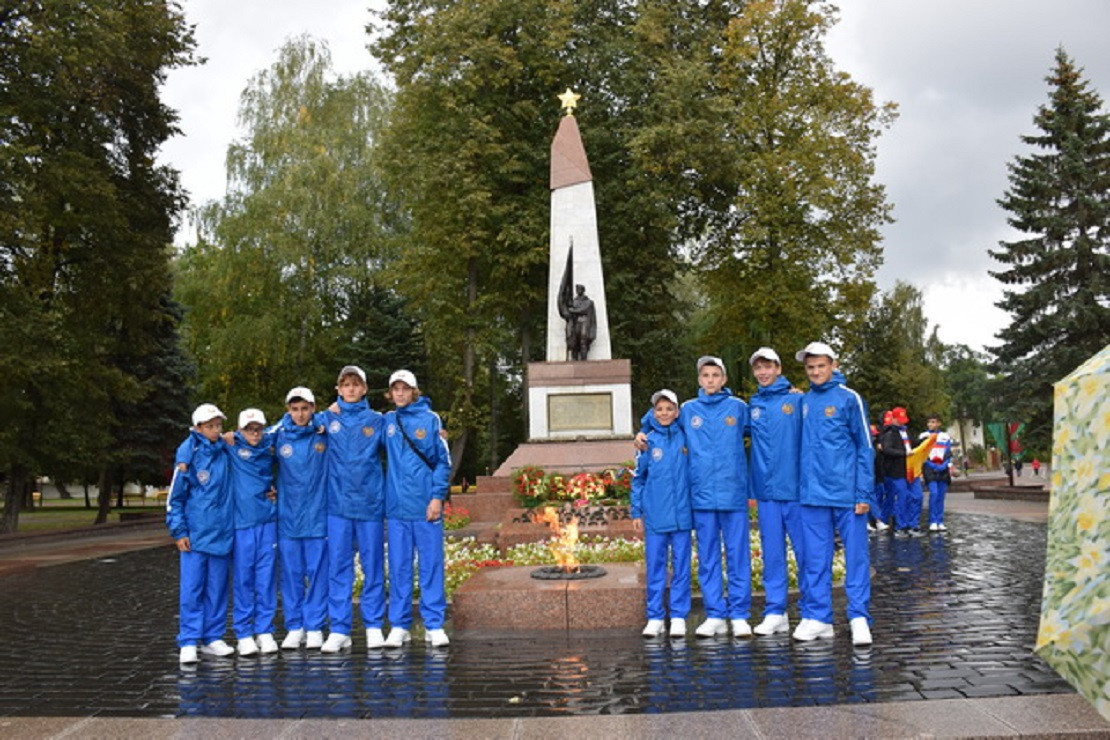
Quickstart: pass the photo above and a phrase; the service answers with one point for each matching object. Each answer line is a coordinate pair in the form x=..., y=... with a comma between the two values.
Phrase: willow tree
x=289, y=273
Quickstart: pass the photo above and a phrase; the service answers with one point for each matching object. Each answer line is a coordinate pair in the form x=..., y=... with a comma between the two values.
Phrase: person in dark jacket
x=895, y=448
x=661, y=509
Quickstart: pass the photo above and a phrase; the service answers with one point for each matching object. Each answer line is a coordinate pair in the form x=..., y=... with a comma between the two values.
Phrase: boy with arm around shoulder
x=661, y=508
x=199, y=515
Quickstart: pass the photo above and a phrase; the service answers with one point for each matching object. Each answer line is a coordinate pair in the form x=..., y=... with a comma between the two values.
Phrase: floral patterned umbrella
x=1074, y=636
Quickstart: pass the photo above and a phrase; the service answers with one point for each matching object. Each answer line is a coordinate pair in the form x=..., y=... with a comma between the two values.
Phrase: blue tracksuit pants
x=202, y=601
x=820, y=524
x=777, y=519
x=656, y=547
x=730, y=529
x=344, y=535
x=304, y=582
x=937, y=491
x=883, y=508
x=425, y=539
x=254, y=585
x=907, y=502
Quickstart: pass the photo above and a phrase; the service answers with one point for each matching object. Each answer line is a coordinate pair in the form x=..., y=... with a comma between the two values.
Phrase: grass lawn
x=56, y=516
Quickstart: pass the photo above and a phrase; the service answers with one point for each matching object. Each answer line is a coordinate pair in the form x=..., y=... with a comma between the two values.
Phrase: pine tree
x=1057, y=275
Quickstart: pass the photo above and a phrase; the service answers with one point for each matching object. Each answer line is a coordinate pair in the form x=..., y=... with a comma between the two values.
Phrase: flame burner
x=558, y=573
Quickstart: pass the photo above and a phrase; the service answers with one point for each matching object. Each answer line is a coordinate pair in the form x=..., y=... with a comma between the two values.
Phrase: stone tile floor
x=955, y=616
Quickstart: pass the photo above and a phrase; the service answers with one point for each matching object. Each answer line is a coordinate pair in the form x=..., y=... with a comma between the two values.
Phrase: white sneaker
x=941, y=527
x=810, y=629
x=881, y=525
x=437, y=638
x=266, y=644
x=398, y=636
x=336, y=642
x=772, y=624
x=247, y=646
x=861, y=632
x=293, y=640
x=188, y=654
x=653, y=628
x=219, y=648
x=933, y=527
x=741, y=628
x=314, y=639
x=678, y=627
x=711, y=627
x=374, y=638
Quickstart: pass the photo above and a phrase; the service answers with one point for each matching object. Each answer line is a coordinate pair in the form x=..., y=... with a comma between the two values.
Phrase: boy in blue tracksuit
x=661, y=506
x=199, y=513
x=836, y=483
x=417, y=476
x=302, y=520
x=776, y=434
x=936, y=471
x=254, y=558
x=356, y=512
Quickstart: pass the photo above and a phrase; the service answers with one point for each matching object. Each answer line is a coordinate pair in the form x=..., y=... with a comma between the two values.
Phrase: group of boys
x=810, y=473
x=229, y=515
x=898, y=490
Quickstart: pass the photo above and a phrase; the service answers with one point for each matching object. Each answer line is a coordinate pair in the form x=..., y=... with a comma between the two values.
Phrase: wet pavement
x=955, y=617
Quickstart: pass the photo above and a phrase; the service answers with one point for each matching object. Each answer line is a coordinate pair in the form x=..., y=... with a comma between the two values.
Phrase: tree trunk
x=525, y=358
x=18, y=487
x=88, y=504
x=459, y=447
x=104, y=495
x=63, y=492
x=493, y=417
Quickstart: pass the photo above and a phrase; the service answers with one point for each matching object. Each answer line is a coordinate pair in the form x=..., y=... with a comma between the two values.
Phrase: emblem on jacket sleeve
x=696, y=422
x=368, y=431
x=244, y=453
x=830, y=411
x=420, y=433
x=788, y=408
x=730, y=421
x=203, y=476
x=756, y=413
x=657, y=454
x=286, y=450
x=390, y=430
x=335, y=426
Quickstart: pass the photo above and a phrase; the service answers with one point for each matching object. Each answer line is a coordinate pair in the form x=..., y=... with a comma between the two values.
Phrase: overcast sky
x=967, y=75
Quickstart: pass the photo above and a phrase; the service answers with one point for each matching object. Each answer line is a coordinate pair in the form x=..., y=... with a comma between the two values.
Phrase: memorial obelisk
x=580, y=399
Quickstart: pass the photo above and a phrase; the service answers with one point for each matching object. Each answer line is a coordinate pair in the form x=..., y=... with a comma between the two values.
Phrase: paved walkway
x=90, y=653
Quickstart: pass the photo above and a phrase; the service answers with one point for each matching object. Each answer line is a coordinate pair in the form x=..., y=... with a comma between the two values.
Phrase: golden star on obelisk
x=569, y=99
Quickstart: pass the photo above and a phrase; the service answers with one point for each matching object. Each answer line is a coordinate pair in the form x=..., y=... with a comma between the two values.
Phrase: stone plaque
x=574, y=411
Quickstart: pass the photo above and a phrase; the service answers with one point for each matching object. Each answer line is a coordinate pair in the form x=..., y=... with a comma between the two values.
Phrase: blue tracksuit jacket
x=356, y=488
x=410, y=485
x=837, y=461
x=660, y=485
x=252, y=477
x=714, y=427
x=200, y=505
x=302, y=467
x=776, y=433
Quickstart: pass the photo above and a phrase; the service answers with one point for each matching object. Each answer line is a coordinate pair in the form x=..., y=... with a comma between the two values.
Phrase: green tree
x=781, y=212
x=1057, y=276
x=85, y=223
x=293, y=259
x=897, y=360
x=969, y=385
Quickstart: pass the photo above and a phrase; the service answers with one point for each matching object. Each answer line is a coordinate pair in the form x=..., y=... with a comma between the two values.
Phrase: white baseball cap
x=711, y=360
x=351, y=370
x=405, y=376
x=815, y=348
x=666, y=393
x=300, y=392
x=206, y=412
x=251, y=416
x=765, y=353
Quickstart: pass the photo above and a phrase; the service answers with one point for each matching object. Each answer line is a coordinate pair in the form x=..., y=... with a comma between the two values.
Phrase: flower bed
x=533, y=486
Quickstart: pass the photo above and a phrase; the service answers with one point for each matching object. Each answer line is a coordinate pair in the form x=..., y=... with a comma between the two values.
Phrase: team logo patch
x=696, y=422
x=390, y=430
x=319, y=447
x=830, y=411
x=420, y=433
x=756, y=413
x=657, y=454
x=368, y=431
x=730, y=420
x=286, y=451
x=244, y=453
x=788, y=408
x=335, y=426
x=203, y=476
